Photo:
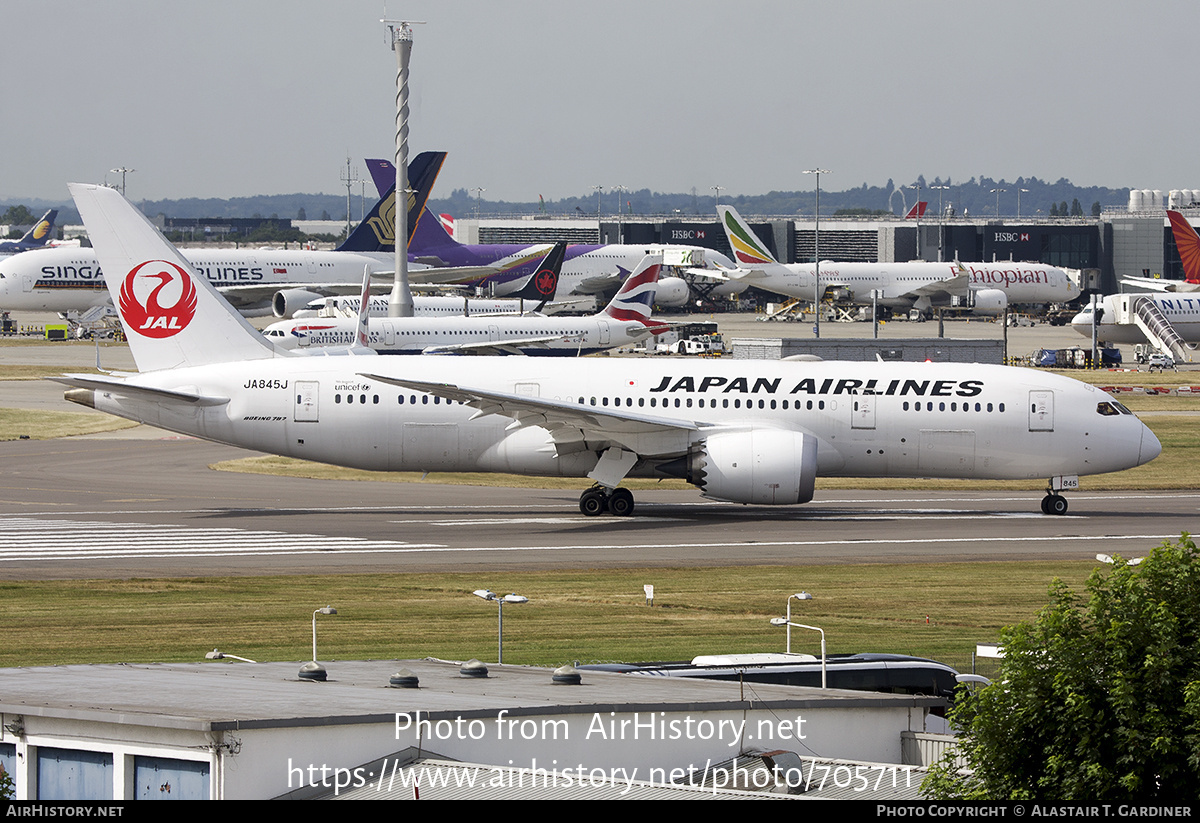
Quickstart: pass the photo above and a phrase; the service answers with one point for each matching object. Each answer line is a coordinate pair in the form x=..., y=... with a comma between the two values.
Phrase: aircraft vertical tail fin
x=543, y=283
x=748, y=249
x=917, y=211
x=40, y=233
x=635, y=299
x=172, y=316
x=430, y=238
x=1188, y=243
x=377, y=232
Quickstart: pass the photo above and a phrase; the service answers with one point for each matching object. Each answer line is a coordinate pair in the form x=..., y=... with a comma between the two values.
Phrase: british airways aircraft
x=990, y=287
x=623, y=322
x=69, y=280
x=746, y=432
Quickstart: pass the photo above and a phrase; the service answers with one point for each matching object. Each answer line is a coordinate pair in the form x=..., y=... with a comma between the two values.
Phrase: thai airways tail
x=377, y=232
x=1188, y=243
x=430, y=240
x=748, y=249
x=635, y=299
x=172, y=316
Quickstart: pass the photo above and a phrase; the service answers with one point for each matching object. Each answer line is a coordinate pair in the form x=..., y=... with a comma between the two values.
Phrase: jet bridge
x=1145, y=313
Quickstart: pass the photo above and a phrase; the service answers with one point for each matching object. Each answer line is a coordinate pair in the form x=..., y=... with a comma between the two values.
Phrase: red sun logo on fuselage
x=145, y=289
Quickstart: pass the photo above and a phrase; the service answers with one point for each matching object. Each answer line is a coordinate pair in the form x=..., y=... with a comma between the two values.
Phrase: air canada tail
x=377, y=232
x=172, y=317
x=748, y=250
x=1188, y=243
x=543, y=283
x=635, y=299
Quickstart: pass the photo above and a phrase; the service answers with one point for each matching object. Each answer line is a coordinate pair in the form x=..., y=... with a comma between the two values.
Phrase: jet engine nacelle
x=288, y=301
x=672, y=292
x=761, y=466
x=991, y=302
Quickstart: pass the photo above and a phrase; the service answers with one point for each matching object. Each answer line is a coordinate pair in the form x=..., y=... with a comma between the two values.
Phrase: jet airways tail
x=377, y=232
x=748, y=250
x=635, y=299
x=1188, y=243
x=40, y=233
x=172, y=316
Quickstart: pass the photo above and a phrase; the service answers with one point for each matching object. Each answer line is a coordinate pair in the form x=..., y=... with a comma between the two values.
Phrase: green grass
x=937, y=610
x=47, y=425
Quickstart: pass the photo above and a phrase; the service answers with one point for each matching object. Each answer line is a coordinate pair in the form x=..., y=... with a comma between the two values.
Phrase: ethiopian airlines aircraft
x=746, y=432
x=990, y=287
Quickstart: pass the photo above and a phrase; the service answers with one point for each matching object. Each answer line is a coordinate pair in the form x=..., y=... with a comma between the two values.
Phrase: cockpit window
x=1111, y=408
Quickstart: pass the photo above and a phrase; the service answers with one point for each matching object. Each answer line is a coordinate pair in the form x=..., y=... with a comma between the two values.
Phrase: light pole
x=1019, y=201
x=599, y=190
x=787, y=621
x=941, y=225
x=817, y=254
x=487, y=594
x=997, y=193
x=718, y=189
x=479, y=190
x=351, y=177
x=314, y=670
x=122, y=171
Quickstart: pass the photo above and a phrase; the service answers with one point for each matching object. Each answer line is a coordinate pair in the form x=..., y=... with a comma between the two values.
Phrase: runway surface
x=117, y=507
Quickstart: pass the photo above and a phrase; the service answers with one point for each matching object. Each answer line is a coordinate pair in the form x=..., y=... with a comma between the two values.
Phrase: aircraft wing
x=1159, y=284
x=959, y=283
x=450, y=275
x=599, y=284
x=102, y=383
x=574, y=427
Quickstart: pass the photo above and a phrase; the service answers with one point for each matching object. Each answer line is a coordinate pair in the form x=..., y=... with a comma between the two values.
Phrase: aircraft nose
x=1150, y=447
x=1082, y=323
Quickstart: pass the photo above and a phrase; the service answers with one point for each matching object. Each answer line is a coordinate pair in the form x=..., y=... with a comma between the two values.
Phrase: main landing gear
x=1054, y=503
x=598, y=500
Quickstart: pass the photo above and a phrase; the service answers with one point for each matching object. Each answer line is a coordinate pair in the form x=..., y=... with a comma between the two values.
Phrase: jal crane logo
x=158, y=299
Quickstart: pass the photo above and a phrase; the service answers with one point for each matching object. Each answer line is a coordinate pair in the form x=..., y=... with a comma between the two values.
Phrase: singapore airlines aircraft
x=70, y=280
x=624, y=321
x=990, y=286
x=746, y=432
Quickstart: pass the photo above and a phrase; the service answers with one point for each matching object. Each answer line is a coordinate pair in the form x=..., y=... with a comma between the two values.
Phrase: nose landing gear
x=1054, y=503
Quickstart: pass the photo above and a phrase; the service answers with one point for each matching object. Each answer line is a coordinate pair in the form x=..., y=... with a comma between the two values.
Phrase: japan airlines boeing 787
x=746, y=432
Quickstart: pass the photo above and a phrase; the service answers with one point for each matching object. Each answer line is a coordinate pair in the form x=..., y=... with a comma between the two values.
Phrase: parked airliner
x=623, y=322
x=589, y=268
x=1187, y=241
x=1182, y=311
x=69, y=280
x=746, y=432
x=989, y=287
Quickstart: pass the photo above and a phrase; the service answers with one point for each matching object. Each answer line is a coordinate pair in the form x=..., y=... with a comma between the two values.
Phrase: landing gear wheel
x=593, y=502
x=620, y=502
x=1054, y=504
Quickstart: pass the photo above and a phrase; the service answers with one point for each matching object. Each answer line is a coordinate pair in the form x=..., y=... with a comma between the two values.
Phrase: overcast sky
x=552, y=97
